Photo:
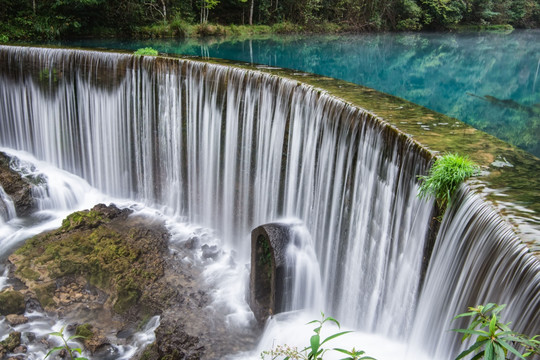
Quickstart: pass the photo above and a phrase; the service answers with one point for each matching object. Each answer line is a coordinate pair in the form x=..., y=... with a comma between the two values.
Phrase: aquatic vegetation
x=444, y=177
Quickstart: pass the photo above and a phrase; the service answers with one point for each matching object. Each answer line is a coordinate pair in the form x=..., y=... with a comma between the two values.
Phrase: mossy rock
x=101, y=245
x=85, y=330
x=80, y=219
x=12, y=341
x=45, y=293
x=11, y=302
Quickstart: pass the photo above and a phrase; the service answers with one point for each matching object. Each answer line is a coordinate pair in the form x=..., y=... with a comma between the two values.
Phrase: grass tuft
x=444, y=177
x=147, y=51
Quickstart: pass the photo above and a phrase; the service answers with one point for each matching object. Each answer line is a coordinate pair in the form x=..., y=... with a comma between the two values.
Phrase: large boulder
x=112, y=270
x=268, y=281
x=97, y=255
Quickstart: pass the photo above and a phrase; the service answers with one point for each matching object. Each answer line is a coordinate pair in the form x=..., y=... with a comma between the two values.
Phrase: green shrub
x=207, y=29
x=497, y=340
x=286, y=28
x=180, y=27
x=147, y=51
x=444, y=177
x=4, y=38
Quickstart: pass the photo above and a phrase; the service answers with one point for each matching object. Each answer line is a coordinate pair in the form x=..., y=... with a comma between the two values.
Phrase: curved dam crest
x=230, y=149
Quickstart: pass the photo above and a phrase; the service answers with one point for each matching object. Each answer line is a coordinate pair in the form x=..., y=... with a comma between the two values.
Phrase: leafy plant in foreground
x=147, y=51
x=315, y=350
x=497, y=340
x=445, y=176
x=70, y=351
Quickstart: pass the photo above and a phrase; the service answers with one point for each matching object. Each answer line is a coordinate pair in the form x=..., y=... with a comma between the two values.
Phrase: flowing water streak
x=231, y=149
x=477, y=259
x=7, y=207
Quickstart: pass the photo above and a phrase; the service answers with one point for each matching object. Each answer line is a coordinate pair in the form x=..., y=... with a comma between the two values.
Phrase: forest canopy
x=51, y=19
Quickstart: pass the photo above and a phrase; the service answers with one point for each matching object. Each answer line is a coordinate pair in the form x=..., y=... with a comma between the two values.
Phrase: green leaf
x=493, y=324
x=346, y=352
x=334, y=321
x=471, y=349
x=510, y=348
x=76, y=337
x=478, y=356
x=335, y=336
x=315, y=342
x=499, y=352
x=472, y=313
x=53, y=350
x=489, y=352
x=472, y=332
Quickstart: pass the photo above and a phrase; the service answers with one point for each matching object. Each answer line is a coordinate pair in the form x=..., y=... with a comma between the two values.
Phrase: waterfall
x=488, y=263
x=231, y=149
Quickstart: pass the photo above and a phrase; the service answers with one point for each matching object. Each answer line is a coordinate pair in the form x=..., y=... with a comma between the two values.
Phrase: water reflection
x=488, y=80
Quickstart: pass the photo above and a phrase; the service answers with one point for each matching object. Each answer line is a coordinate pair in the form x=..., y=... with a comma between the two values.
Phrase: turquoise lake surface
x=489, y=80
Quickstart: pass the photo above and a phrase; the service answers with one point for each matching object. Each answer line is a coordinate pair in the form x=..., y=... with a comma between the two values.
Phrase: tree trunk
x=251, y=12
x=164, y=10
x=34, y=6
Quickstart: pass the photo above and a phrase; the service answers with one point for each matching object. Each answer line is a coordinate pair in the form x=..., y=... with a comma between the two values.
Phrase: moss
x=27, y=273
x=85, y=218
x=11, y=302
x=128, y=293
x=108, y=256
x=45, y=294
x=12, y=341
x=85, y=330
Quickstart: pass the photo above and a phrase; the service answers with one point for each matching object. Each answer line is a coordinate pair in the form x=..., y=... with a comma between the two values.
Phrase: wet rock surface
x=110, y=270
x=16, y=186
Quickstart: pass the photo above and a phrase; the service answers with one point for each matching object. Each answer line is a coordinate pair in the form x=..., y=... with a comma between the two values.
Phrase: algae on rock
x=119, y=258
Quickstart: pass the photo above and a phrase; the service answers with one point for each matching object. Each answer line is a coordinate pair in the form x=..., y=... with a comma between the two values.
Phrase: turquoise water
x=488, y=80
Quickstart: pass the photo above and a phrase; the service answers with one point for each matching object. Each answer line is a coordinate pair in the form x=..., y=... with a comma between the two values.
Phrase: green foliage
x=147, y=51
x=53, y=19
x=206, y=29
x=4, y=38
x=71, y=351
x=315, y=349
x=286, y=27
x=497, y=340
x=444, y=177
